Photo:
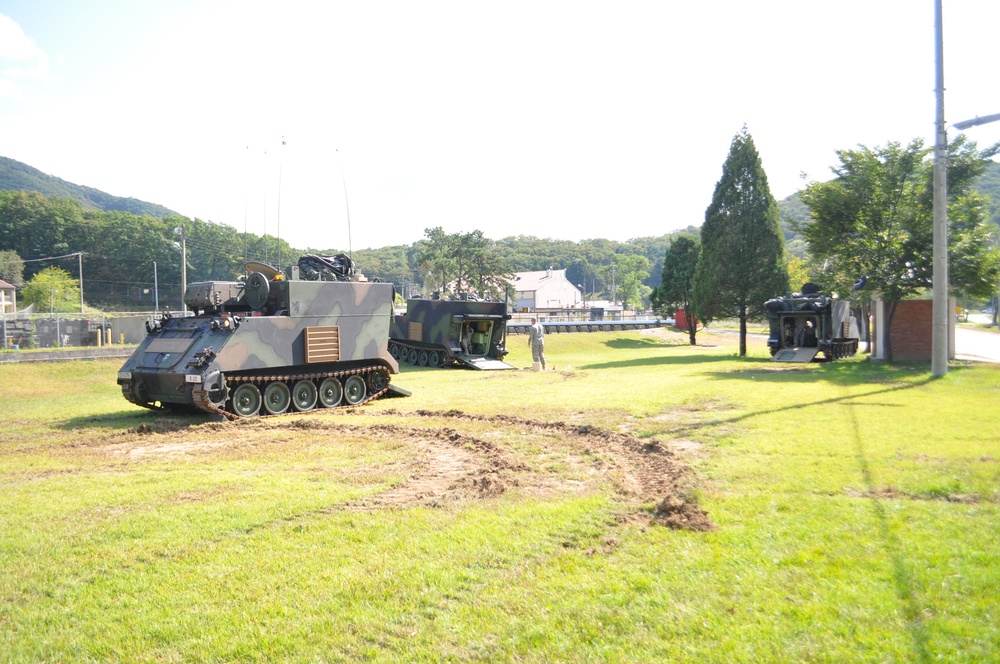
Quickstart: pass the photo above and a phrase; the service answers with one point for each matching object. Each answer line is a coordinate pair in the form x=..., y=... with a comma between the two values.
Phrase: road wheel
x=277, y=398
x=304, y=395
x=330, y=393
x=354, y=390
x=246, y=400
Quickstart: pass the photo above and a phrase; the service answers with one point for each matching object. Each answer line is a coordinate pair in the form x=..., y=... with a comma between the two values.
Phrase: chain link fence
x=24, y=331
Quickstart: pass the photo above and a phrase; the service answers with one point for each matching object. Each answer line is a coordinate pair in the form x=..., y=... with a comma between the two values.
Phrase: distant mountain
x=17, y=176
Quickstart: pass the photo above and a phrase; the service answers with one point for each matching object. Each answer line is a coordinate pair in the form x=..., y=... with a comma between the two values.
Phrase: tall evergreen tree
x=676, y=290
x=742, y=247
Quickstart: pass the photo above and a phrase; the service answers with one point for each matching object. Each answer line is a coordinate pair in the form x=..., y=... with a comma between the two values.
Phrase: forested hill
x=793, y=210
x=17, y=176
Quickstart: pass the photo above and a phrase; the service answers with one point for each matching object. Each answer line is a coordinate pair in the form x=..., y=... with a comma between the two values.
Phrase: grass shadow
x=658, y=361
x=130, y=419
x=622, y=343
x=844, y=373
x=849, y=399
x=903, y=581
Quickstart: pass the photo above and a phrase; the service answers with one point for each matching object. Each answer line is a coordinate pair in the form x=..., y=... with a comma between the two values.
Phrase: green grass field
x=514, y=516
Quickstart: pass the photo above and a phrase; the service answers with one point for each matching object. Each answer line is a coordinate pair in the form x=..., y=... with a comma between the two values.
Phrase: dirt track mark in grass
x=444, y=465
x=892, y=493
x=444, y=469
x=643, y=470
x=167, y=448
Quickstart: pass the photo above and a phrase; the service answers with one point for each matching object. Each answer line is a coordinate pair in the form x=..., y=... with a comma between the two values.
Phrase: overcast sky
x=568, y=120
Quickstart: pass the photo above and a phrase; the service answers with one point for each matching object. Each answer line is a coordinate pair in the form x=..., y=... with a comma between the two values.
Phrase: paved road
x=980, y=345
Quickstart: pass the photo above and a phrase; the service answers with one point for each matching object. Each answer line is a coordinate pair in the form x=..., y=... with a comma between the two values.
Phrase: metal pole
x=156, y=292
x=80, y=256
x=939, y=328
x=281, y=158
x=184, y=268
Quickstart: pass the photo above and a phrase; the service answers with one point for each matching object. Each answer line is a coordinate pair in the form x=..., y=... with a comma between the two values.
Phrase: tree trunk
x=891, y=306
x=743, y=331
x=692, y=329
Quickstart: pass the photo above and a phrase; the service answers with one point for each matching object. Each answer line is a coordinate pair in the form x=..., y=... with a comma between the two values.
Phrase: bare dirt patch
x=466, y=458
x=166, y=448
x=641, y=471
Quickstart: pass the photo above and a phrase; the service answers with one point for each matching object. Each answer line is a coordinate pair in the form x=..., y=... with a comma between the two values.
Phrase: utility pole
x=939, y=317
x=614, y=286
x=79, y=255
x=180, y=230
x=156, y=292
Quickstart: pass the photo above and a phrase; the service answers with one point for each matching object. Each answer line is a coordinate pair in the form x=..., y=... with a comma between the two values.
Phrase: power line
x=53, y=258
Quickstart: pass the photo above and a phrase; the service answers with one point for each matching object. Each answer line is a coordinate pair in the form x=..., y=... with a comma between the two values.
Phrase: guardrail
x=16, y=357
x=592, y=326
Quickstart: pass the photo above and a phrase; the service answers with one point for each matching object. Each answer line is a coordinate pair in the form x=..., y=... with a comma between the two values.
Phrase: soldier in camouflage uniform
x=536, y=339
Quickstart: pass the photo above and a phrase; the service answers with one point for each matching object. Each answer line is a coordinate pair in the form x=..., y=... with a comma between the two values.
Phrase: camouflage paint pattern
x=235, y=340
x=440, y=326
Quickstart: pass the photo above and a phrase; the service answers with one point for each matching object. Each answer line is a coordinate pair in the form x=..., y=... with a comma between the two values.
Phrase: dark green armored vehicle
x=804, y=324
x=315, y=335
x=436, y=332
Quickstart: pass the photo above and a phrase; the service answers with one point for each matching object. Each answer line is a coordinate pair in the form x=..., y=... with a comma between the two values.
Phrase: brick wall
x=911, y=331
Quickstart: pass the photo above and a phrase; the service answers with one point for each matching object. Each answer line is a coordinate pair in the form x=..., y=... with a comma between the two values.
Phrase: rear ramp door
x=482, y=363
x=795, y=355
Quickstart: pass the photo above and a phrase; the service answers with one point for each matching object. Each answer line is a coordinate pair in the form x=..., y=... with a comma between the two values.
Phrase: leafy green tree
x=215, y=251
x=11, y=268
x=52, y=289
x=676, y=289
x=487, y=272
x=630, y=271
x=742, y=248
x=35, y=226
x=388, y=264
x=464, y=262
x=436, y=259
x=798, y=271
x=875, y=219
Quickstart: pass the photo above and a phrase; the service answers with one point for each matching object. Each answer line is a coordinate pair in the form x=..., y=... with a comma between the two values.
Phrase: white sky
x=568, y=120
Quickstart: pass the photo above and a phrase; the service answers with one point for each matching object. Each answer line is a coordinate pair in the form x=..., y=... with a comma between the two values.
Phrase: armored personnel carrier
x=804, y=324
x=435, y=332
x=314, y=335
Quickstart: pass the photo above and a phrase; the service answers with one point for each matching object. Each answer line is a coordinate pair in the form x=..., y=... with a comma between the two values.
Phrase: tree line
x=120, y=249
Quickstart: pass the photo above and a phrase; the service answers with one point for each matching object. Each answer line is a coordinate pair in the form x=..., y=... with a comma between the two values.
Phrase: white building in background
x=8, y=298
x=545, y=290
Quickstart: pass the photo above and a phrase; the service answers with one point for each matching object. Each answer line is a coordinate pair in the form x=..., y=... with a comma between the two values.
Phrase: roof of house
x=532, y=281
x=5, y=286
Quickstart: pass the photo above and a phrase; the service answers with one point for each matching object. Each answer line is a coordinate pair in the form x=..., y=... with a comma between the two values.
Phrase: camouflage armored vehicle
x=435, y=332
x=804, y=324
x=316, y=335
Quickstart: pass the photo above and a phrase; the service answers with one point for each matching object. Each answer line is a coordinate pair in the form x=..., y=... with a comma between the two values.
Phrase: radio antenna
x=264, y=211
x=281, y=158
x=246, y=208
x=350, y=249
